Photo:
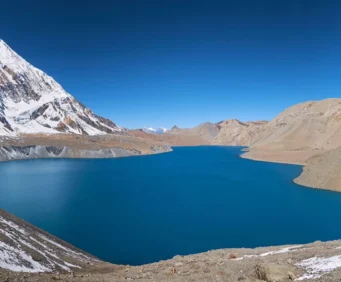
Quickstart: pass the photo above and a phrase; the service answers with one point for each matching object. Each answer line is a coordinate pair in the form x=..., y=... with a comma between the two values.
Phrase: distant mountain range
x=228, y=132
x=33, y=102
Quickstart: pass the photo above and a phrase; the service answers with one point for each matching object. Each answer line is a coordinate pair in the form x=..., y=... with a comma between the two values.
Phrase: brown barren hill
x=206, y=131
x=309, y=125
x=169, y=138
x=309, y=134
x=236, y=133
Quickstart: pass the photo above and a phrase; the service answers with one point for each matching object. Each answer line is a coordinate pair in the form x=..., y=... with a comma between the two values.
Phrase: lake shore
x=280, y=263
x=321, y=168
x=51, y=259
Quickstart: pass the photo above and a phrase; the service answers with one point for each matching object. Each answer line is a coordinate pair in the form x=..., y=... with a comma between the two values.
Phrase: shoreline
x=319, y=167
x=278, y=263
x=54, y=259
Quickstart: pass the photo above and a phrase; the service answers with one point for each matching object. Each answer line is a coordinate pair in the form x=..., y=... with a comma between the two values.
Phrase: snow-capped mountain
x=160, y=130
x=33, y=102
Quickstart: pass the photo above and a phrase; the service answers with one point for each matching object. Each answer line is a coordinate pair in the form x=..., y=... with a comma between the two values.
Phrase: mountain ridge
x=33, y=102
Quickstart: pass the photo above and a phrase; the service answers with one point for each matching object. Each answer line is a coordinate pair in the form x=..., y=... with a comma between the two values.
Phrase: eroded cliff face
x=76, y=146
x=9, y=153
x=43, y=152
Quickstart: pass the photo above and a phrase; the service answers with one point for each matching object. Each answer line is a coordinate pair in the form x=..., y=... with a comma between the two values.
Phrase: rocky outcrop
x=33, y=102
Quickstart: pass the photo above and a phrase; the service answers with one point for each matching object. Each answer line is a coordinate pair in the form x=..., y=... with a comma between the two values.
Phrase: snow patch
x=281, y=251
x=15, y=254
x=316, y=267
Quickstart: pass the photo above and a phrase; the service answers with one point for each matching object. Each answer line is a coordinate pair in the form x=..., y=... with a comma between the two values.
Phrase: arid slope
x=311, y=125
x=206, y=131
x=236, y=133
x=308, y=134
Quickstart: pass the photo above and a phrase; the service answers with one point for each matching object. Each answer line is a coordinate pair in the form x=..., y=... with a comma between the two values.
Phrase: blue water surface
x=144, y=209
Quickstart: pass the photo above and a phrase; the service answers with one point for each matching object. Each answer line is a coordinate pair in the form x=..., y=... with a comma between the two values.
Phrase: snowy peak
x=151, y=130
x=33, y=102
x=161, y=130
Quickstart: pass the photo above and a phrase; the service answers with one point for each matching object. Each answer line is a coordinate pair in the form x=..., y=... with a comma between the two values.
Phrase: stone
x=291, y=276
x=232, y=256
x=272, y=272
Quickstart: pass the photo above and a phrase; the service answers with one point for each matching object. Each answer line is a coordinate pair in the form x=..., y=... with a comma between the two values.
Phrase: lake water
x=143, y=209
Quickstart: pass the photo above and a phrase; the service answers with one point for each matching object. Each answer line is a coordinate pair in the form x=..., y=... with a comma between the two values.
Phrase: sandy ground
x=299, y=157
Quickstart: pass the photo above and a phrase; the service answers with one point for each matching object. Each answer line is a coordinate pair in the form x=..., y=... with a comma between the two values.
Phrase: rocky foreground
x=30, y=254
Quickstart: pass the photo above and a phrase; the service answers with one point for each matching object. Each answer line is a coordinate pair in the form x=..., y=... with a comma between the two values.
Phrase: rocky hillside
x=33, y=102
x=235, y=132
x=25, y=248
x=313, y=125
x=308, y=134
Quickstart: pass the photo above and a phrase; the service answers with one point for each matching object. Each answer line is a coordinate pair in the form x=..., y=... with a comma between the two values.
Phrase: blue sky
x=160, y=63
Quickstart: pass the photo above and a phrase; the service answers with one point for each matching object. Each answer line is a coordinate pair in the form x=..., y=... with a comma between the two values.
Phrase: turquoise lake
x=143, y=209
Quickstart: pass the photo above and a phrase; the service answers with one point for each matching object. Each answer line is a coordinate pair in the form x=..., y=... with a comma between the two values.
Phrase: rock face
x=313, y=125
x=43, y=152
x=207, y=131
x=33, y=102
x=235, y=132
x=76, y=146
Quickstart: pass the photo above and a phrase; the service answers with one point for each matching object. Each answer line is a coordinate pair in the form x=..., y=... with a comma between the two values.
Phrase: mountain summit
x=33, y=102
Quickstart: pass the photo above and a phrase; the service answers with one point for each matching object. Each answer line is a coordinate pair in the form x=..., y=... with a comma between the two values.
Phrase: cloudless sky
x=164, y=62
